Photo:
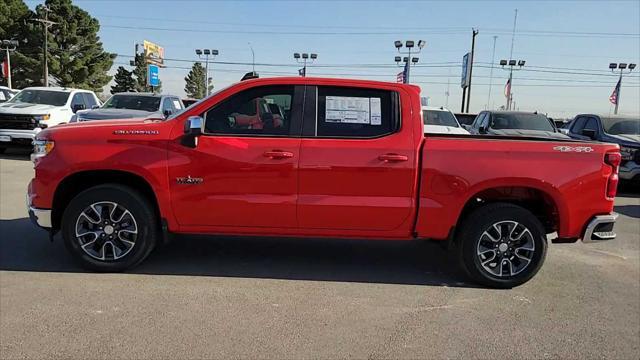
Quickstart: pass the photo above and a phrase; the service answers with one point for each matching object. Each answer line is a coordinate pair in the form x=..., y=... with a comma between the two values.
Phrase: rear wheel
x=501, y=245
x=109, y=228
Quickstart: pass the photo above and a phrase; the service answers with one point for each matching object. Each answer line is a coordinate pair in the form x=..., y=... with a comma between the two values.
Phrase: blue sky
x=550, y=36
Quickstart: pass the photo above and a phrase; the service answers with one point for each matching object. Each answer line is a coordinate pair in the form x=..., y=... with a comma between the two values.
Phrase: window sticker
x=176, y=104
x=376, y=111
x=347, y=110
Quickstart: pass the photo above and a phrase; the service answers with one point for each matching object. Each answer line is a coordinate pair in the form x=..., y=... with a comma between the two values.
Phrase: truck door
x=241, y=174
x=357, y=160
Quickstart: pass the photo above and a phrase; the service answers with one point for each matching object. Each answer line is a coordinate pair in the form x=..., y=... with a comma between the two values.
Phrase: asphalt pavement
x=278, y=298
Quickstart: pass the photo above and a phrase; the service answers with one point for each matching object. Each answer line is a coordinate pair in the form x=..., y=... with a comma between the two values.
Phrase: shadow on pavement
x=25, y=248
x=628, y=210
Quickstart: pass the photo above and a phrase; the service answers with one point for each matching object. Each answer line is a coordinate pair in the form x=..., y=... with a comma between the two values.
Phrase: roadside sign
x=466, y=67
x=153, y=53
x=153, y=75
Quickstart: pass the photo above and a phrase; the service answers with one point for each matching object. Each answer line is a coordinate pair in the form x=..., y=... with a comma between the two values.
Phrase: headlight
x=42, y=117
x=627, y=152
x=41, y=148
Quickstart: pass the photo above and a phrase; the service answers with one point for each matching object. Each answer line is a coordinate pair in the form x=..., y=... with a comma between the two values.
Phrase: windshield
x=439, y=117
x=621, y=126
x=521, y=121
x=133, y=102
x=44, y=97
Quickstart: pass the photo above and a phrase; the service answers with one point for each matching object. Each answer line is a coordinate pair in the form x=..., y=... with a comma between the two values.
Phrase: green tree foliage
x=194, y=82
x=76, y=56
x=26, y=62
x=124, y=81
x=140, y=74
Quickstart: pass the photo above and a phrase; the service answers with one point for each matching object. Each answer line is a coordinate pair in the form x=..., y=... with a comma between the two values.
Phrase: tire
x=521, y=256
x=124, y=215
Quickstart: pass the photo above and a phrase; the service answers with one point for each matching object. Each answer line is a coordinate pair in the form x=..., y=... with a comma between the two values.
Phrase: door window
x=478, y=120
x=167, y=105
x=591, y=124
x=258, y=111
x=578, y=125
x=77, y=100
x=89, y=100
x=355, y=112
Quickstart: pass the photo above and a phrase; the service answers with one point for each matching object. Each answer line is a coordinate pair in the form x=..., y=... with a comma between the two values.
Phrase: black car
x=621, y=130
x=133, y=105
x=515, y=123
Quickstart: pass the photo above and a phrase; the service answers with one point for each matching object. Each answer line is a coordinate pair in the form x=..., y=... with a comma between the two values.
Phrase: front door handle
x=393, y=158
x=277, y=154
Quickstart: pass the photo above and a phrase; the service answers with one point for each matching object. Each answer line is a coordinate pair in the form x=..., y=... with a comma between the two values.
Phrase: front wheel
x=109, y=228
x=501, y=245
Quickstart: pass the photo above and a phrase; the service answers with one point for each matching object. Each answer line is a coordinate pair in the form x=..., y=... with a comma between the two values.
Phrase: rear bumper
x=600, y=228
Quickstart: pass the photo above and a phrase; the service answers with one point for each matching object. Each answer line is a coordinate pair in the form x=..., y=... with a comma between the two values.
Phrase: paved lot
x=274, y=298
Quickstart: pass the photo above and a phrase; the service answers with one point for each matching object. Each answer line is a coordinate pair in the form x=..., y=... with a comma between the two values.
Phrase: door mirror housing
x=167, y=113
x=95, y=107
x=192, y=130
x=77, y=107
x=590, y=133
x=482, y=130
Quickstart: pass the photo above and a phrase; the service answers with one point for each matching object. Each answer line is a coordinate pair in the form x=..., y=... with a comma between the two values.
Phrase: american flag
x=5, y=68
x=401, y=78
x=507, y=88
x=614, y=95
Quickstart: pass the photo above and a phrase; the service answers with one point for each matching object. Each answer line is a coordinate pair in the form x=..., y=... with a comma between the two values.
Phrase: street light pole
x=304, y=56
x=206, y=53
x=409, y=60
x=8, y=46
x=473, y=48
x=622, y=67
x=511, y=63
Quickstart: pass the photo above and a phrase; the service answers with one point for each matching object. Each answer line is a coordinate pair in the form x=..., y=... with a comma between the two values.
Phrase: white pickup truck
x=37, y=108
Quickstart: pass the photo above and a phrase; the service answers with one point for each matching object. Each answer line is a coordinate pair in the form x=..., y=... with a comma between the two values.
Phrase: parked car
x=189, y=102
x=133, y=105
x=348, y=159
x=37, y=108
x=6, y=93
x=515, y=123
x=621, y=130
x=438, y=120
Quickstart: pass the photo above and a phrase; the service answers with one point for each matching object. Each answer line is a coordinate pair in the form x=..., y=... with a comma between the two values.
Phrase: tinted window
x=261, y=111
x=592, y=124
x=478, y=120
x=521, y=121
x=133, y=102
x=439, y=117
x=167, y=105
x=578, y=125
x=89, y=100
x=45, y=97
x=77, y=100
x=355, y=112
x=618, y=126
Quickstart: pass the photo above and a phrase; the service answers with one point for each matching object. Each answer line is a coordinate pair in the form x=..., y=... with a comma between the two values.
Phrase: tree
x=16, y=24
x=124, y=81
x=140, y=74
x=76, y=56
x=194, y=82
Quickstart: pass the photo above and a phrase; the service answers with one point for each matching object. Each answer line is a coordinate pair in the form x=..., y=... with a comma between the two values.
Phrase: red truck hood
x=108, y=129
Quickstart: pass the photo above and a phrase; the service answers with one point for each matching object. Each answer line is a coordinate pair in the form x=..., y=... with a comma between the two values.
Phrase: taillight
x=613, y=159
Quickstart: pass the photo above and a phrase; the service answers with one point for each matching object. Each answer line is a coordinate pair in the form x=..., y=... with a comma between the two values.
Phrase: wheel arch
x=80, y=181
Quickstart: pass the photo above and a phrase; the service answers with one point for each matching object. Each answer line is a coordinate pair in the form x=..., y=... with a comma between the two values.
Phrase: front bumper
x=39, y=217
x=600, y=228
x=18, y=137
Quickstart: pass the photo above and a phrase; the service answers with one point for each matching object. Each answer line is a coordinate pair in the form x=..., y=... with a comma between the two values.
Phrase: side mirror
x=590, y=133
x=192, y=130
x=77, y=107
x=95, y=107
x=167, y=113
x=482, y=130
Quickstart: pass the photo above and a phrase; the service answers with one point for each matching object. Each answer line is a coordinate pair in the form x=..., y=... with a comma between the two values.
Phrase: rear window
x=439, y=117
x=355, y=112
x=521, y=121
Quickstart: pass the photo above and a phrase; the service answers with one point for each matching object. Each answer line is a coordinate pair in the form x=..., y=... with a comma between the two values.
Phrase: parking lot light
x=632, y=66
x=305, y=58
x=206, y=53
x=613, y=66
x=503, y=62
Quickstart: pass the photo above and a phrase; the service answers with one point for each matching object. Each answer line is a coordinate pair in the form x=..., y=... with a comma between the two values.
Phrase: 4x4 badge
x=189, y=180
x=565, y=148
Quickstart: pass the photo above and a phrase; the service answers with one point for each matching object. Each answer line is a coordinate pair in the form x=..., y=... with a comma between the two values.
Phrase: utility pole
x=46, y=23
x=616, y=93
x=408, y=60
x=493, y=59
x=8, y=46
x=206, y=53
x=473, y=48
x=304, y=56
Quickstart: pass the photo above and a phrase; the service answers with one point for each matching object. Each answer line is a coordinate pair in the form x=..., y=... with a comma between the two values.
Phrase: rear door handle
x=277, y=154
x=393, y=157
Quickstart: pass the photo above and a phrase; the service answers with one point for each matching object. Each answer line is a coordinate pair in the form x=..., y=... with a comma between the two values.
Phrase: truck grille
x=17, y=122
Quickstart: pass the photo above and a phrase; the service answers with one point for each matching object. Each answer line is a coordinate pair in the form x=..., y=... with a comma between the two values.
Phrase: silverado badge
x=189, y=180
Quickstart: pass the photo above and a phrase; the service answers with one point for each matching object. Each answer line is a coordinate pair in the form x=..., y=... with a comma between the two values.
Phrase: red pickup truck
x=345, y=159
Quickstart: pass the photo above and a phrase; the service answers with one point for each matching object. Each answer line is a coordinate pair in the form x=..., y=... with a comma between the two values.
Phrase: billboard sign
x=466, y=68
x=153, y=53
x=153, y=75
